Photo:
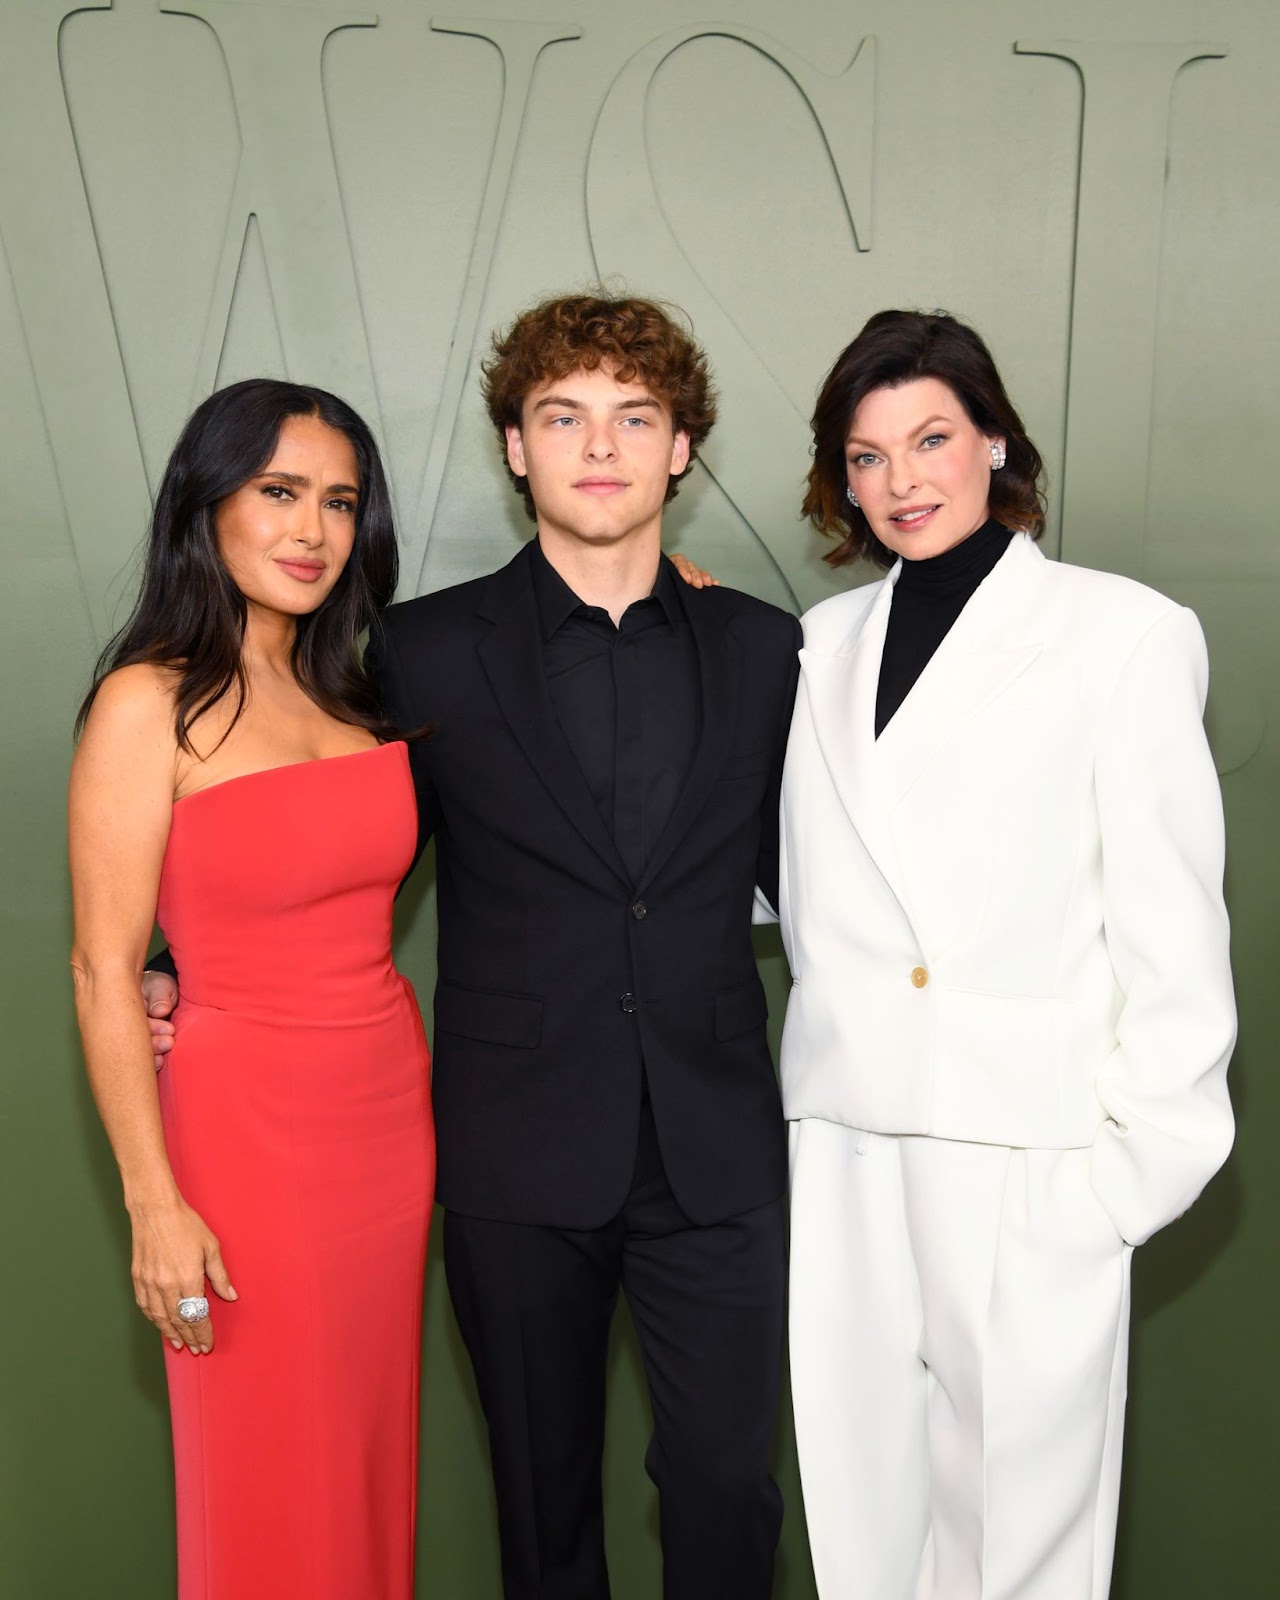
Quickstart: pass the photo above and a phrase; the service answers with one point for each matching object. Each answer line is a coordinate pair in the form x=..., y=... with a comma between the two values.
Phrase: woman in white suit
x=1004, y=1062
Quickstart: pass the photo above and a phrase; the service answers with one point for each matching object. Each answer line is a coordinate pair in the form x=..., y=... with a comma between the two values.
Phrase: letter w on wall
x=285, y=178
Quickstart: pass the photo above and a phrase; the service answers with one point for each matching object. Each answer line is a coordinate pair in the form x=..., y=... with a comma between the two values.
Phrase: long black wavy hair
x=190, y=615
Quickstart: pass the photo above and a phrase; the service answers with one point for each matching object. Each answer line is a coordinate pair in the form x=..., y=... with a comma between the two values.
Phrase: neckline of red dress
x=288, y=766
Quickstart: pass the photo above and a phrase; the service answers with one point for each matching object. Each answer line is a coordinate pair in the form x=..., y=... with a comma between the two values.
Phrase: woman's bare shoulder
x=140, y=688
x=136, y=701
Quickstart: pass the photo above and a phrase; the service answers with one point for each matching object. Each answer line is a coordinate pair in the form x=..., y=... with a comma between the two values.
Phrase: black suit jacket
x=559, y=974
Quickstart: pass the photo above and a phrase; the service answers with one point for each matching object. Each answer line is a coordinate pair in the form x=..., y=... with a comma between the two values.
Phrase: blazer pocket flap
x=998, y=1068
x=741, y=1010
x=493, y=1018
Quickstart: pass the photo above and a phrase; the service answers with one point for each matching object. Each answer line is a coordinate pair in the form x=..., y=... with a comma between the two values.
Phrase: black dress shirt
x=927, y=598
x=627, y=699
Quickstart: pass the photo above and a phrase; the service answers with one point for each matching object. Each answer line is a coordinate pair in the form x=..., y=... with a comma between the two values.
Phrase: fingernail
x=176, y=1343
x=204, y=1349
x=231, y=1294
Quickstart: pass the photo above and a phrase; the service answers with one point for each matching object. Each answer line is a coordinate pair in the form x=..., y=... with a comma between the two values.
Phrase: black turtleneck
x=927, y=598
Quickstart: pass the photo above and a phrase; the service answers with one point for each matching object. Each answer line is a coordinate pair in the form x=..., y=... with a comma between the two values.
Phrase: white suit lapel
x=841, y=689
x=986, y=651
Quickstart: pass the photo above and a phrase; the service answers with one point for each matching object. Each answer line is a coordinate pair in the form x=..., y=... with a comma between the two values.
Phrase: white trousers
x=959, y=1338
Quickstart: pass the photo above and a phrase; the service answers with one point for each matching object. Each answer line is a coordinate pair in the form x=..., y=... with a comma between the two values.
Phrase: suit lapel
x=511, y=656
x=720, y=685
x=985, y=651
x=841, y=690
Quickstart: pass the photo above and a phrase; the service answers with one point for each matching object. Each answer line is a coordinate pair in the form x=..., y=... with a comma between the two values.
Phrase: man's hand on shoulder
x=160, y=996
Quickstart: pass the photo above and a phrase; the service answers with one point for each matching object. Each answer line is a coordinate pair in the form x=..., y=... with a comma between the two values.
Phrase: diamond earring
x=853, y=499
x=998, y=455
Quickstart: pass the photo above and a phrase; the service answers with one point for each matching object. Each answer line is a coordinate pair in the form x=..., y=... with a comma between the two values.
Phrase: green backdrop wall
x=194, y=192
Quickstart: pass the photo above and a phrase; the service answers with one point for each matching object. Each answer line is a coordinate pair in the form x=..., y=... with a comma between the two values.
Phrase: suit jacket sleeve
x=1164, y=1087
x=162, y=961
x=383, y=664
x=767, y=864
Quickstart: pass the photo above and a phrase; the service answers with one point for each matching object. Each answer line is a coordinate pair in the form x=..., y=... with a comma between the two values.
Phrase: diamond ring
x=193, y=1308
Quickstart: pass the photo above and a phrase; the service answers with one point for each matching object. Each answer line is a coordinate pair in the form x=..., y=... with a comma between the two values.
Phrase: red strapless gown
x=297, y=1115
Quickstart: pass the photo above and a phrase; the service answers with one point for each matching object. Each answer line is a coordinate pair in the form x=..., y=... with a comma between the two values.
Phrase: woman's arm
x=119, y=808
x=1164, y=1087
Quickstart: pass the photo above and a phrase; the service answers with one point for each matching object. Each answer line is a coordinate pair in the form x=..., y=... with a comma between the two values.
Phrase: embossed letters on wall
x=286, y=180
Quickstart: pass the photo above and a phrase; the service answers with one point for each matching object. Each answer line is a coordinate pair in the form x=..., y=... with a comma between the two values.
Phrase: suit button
x=639, y=911
x=628, y=1003
x=919, y=977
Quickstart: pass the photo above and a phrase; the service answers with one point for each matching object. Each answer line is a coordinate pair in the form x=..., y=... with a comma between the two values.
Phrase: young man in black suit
x=603, y=787
x=602, y=783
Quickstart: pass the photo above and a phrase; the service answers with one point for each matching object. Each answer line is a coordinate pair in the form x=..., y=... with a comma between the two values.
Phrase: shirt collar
x=557, y=602
x=666, y=591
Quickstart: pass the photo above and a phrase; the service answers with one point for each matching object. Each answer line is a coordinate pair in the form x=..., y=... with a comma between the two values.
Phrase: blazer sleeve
x=765, y=908
x=383, y=664
x=1164, y=1087
x=163, y=961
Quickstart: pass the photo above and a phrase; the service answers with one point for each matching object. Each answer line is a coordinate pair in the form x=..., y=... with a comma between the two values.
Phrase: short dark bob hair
x=639, y=340
x=897, y=347
x=190, y=615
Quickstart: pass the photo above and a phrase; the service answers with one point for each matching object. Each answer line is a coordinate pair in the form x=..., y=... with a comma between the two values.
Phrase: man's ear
x=679, y=454
x=515, y=450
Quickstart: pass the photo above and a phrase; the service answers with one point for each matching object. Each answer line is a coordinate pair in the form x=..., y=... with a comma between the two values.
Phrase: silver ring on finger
x=193, y=1308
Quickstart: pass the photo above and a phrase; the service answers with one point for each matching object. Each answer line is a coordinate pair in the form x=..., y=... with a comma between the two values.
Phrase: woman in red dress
x=235, y=778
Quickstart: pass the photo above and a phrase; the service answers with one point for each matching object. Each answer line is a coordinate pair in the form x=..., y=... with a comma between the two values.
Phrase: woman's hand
x=693, y=575
x=173, y=1253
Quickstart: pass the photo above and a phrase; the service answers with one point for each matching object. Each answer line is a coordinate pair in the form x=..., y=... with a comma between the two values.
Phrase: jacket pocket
x=998, y=1069
x=493, y=1018
x=741, y=1010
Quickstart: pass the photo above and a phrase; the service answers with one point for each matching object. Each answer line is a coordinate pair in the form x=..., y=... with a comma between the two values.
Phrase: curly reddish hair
x=897, y=347
x=640, y=341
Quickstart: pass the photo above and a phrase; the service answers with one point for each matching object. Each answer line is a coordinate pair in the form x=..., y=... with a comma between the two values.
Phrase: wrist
x=152, y=1197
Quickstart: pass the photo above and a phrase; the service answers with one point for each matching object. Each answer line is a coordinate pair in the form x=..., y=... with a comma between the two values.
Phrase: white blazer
x=1004, y=917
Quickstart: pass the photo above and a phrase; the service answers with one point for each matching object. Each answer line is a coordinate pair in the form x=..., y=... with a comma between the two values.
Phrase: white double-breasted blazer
x=1004, y=917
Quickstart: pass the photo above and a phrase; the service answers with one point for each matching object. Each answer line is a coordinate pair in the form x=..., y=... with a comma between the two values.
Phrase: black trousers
x=534, y=1305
